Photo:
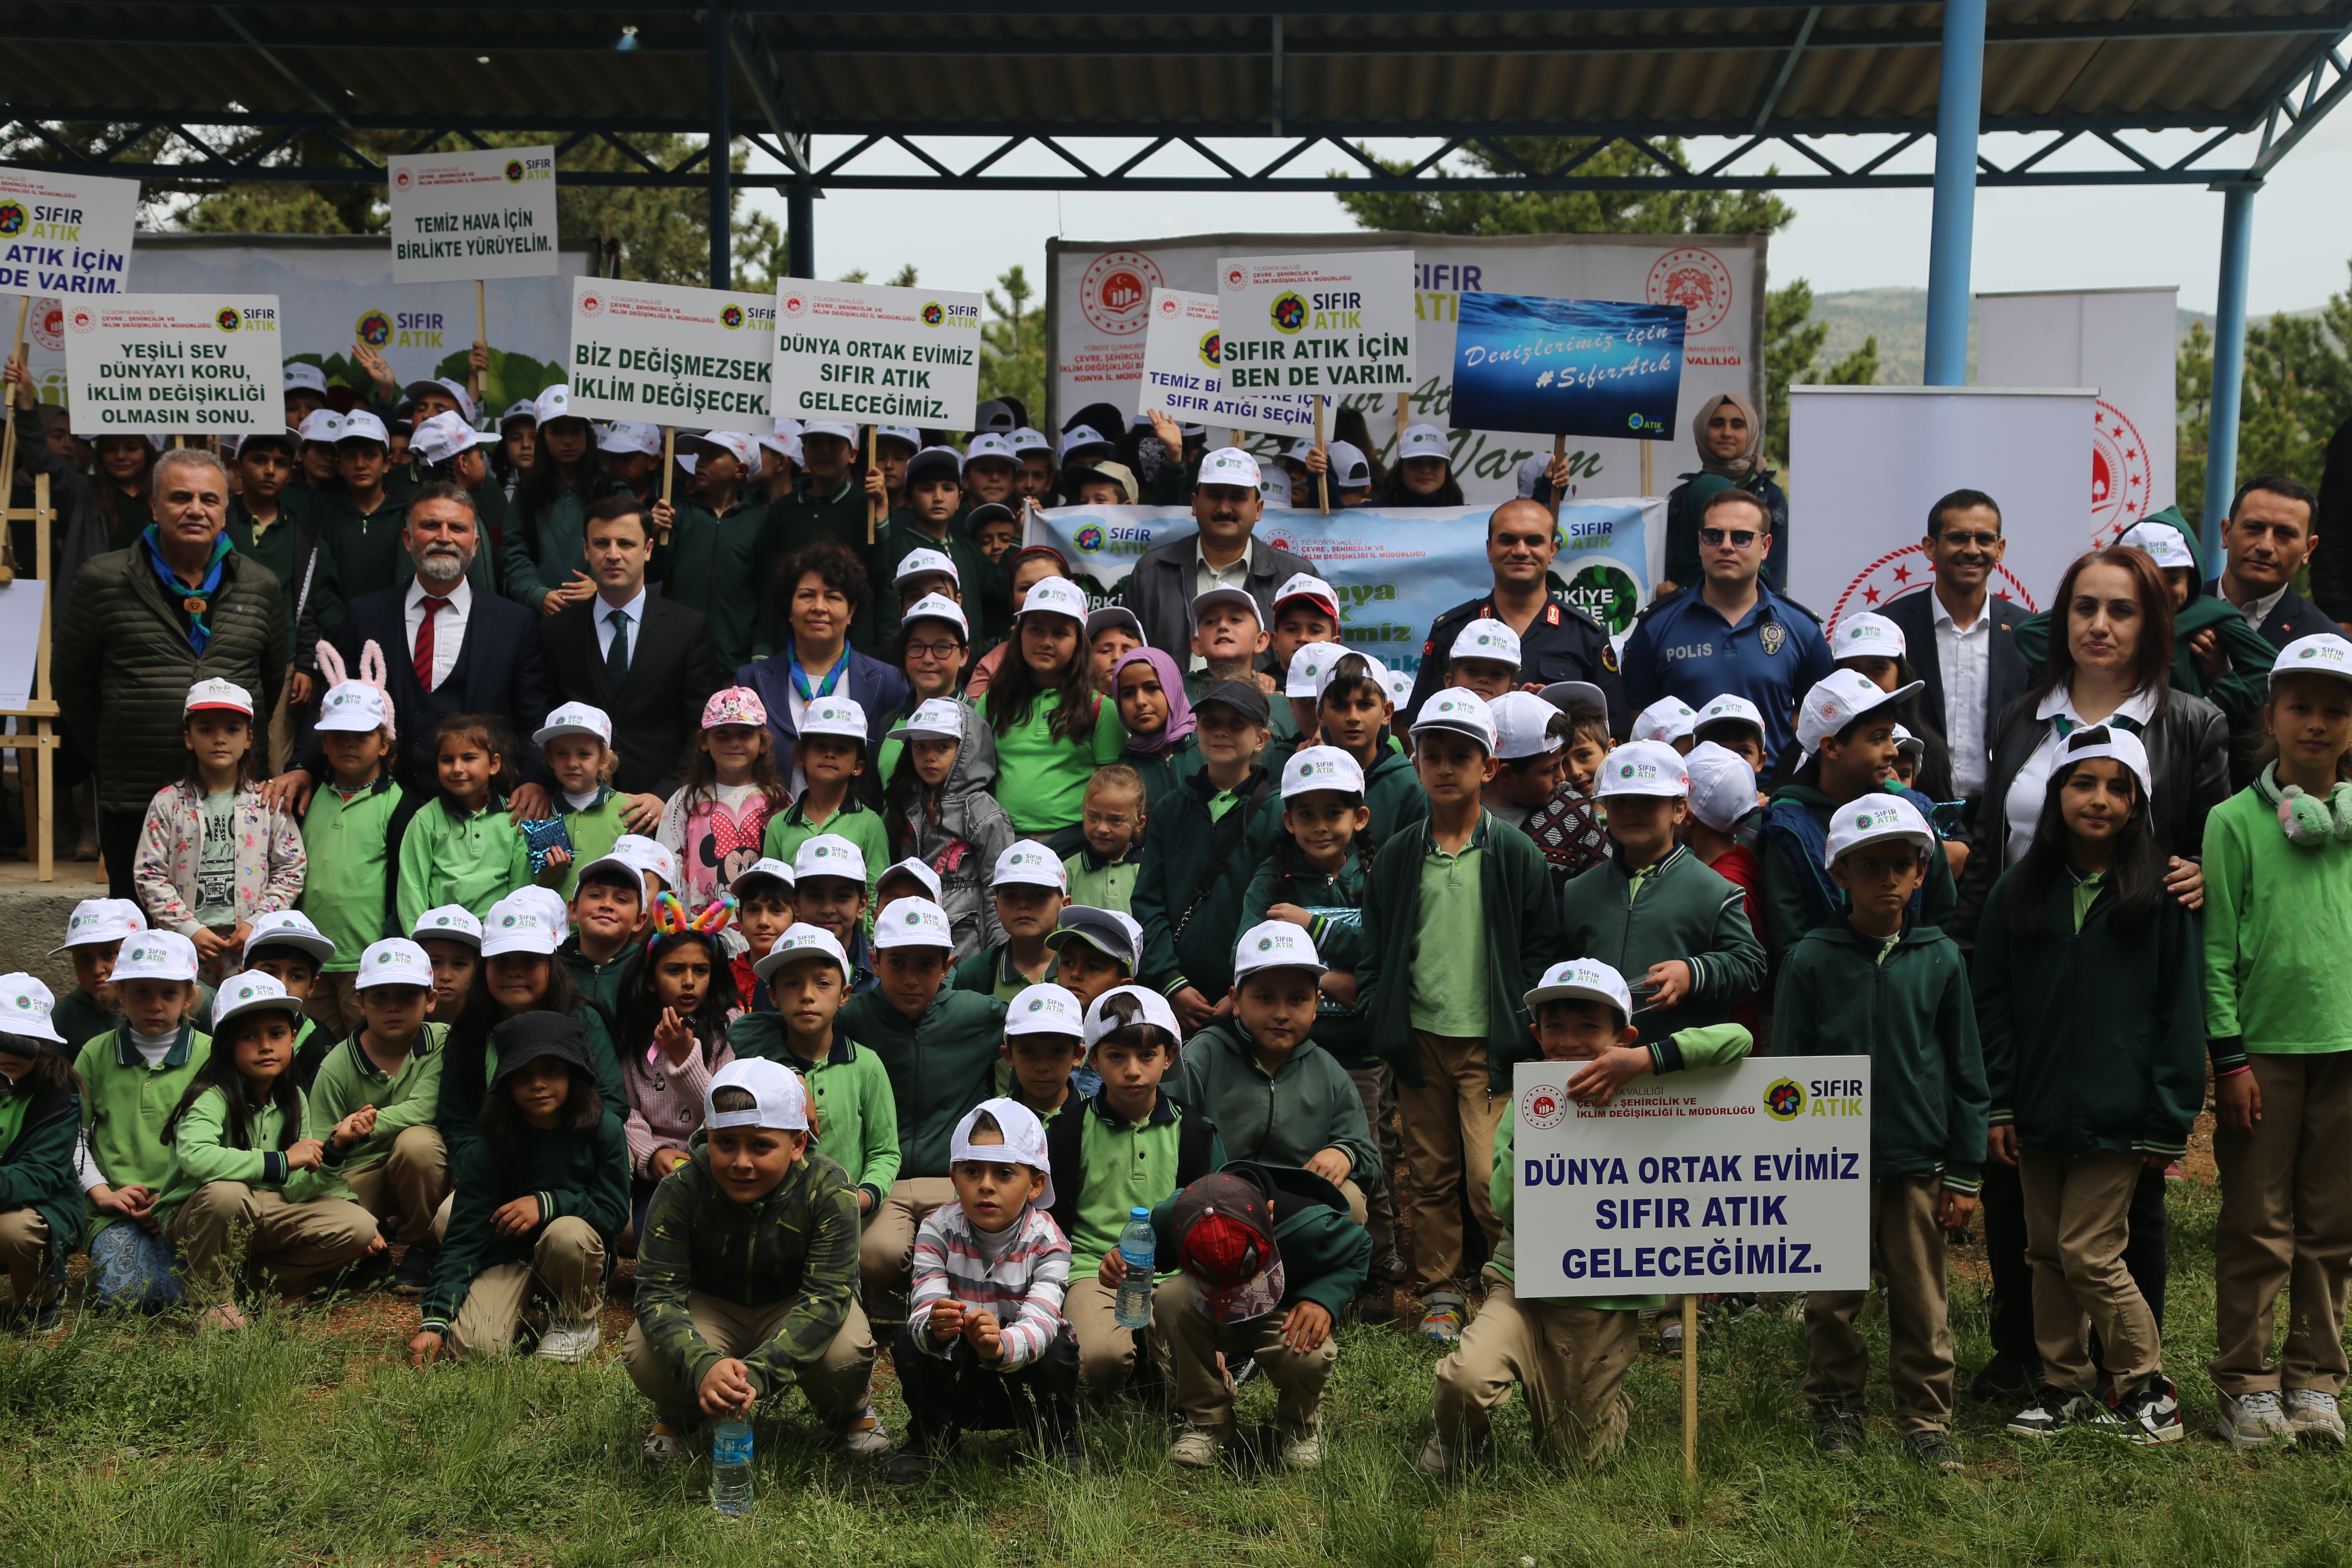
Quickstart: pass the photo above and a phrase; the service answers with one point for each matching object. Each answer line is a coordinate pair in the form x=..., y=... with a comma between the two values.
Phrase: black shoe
x=1839, y=1434
x=2051, y=1411
x=1376, y=1307
x=416, y=1273
x=1935, y=1452
x=2005, y=1382
x=367, y=1274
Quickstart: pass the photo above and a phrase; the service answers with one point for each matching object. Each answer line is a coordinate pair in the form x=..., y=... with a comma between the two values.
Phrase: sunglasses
x=1738, y=538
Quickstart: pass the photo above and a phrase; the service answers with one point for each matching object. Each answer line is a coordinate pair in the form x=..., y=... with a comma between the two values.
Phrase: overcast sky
x=2072, y=238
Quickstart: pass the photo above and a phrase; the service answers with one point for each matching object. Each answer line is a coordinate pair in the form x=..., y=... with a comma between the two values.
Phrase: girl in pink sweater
x=672, y=1036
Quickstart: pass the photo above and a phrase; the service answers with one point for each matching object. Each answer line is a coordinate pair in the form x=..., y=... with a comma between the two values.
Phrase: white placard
x=665, y=354
x=65, y=235
x=1749, y=1177
x=153, y=365
x=1182, y=374
x=863, y=353
x=1308, y=326
x=2120, y=340
x=484, y=214
x=20, y=638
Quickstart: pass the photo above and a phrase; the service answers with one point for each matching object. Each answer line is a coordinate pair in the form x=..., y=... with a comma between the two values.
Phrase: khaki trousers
x=2286, y=1222
x=407, y=1184
x=25, y=1252
x=1106, y=1350
x=1202, y=1397
x=334, y=1003
x=836, y=1386
x=1906, y=1250
x=566, y=1269
x=2077, y=1224
x=1449, y=1123
x=1571, y=1359
x=1376, y=1086
x=295, y=1242
x=886, y=1255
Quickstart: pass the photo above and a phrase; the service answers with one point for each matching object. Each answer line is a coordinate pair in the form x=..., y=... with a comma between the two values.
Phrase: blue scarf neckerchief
x=197, y=603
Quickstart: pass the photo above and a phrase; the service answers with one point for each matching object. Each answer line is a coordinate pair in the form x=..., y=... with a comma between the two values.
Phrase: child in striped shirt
x=985, y=1347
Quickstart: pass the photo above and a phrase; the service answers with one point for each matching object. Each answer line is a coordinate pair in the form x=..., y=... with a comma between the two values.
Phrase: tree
x=1626, y=211
x=1012, y=346
x=1792, y=339
x=2296, y=392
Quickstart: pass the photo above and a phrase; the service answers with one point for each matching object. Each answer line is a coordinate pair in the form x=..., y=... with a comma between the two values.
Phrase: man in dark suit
x=2269, y=538
x=446, y=650
x=1224, y=553
x=1960, y=636
x=648, y=662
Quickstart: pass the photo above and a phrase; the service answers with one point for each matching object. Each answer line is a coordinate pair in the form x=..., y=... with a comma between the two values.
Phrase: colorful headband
x=670, y=917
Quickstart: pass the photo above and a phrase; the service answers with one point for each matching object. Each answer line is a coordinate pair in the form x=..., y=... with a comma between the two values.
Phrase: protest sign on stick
x=659, y=352
x=65, y=235
x=863, y=354
x=1183, y=375
x=1568, y=367
x=486, y=213
x=205, y=364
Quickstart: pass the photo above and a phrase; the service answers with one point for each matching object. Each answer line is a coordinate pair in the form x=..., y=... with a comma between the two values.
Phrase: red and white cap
x=219, y=695
x=1313, y=589
x=1669, y=719
x=625, y=436
x=743, y=448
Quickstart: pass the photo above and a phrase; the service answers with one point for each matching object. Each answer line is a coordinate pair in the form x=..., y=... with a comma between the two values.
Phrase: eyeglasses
x=933, y=650
x=1738, y=538
x=1954, y=537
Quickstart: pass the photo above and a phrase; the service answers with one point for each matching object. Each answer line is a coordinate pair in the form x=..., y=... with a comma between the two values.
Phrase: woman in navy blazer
x=820, y=591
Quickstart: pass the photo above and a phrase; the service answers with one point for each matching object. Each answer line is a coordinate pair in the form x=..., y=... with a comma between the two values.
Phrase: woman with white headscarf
x=1730, y=441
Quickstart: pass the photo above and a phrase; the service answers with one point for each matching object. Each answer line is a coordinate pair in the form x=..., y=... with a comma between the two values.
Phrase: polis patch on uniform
x=1772, y=636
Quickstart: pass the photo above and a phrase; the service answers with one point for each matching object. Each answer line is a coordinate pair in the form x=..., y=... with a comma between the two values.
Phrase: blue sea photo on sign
x=1568, y=367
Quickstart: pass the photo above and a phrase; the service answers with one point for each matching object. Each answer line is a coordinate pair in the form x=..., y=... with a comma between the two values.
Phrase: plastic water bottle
x=1133, y=1310
x=730, y=1468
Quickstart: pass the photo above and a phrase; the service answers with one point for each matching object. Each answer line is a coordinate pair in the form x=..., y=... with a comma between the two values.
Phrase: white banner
x=1874, y=459
x=1752, y=1177
x=665, y=355
x=863, y=353
x=1183, y=375
x=153, y=365
x=2120, y=340
x=1099, y=294
x=1317, y=326
x=484, y=214
x=64, y=233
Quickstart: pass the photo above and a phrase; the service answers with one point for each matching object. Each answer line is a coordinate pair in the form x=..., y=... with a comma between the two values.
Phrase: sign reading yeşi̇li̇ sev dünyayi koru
x=62, y=234
x=667, y=354
x=1749, y=1177
x=489, y=212
x=1318, y=324
x=203, y=365
x=1184, y=376
x=1568, y=367
x=865, y=353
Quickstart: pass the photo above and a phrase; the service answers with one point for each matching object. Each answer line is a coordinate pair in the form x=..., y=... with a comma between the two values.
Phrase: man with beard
x=1226, y=553
x=446, y=650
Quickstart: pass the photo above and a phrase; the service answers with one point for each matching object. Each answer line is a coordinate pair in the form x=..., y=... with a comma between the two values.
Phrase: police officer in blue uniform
x=1556, y=640
x=1732, y=633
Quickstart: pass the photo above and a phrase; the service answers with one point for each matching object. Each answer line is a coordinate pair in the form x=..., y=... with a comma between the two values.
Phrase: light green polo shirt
x=1449, y=967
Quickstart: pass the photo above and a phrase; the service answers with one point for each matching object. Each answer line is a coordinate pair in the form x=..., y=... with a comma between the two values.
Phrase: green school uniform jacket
x=991, y=972
x=901, y=535
x=1781, y=901
x=1177, y=852
x=39, y=1128
x=80, y=1018
x=1163, y=770
x=1305, y=1106
x=1676, y=909
x=2094, y=1043
x=1104, y=1165
x=599, y=982
x=466, y=1073
x=1719, y=1045
x=1335, y=909
x=711, y=563
x=1522, y=939
x=125, y=1102
x=1325, y=1256
x=857, y=1115
x=474, y=862
x=350, y=886
x=349, y=1080
x=2275, y=913
x=1906, y=1006
x=940, y=1065
x=859, y=823
x=1393, y=794
x=581, y=1175
x=593, y=829
x=543, y=546
x=801, y=1241
x=204, y=1151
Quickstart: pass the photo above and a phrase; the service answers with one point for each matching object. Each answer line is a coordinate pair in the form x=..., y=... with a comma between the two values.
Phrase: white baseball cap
x=576, y=719
x=520, y=408
x=448, y=923
x=1722, y=784
x=219, y=695
x=1273, y=488
x=832, y=427
x=1462, y=710
x=394, y=960
x=828, y=854
x=1229, y=466
x=1057, y=596
x=1045, y=1009
x=1385, y=678
x=934, y=719
x=1866, y=635
x=1276, y=944
x=2163, y=544
x=300, y=375
x=920, y=871
x=516, y=924
x=1150, y=1003
x=1424, y=441
x=937, y=607
x=1574, y=696
x=744, y=449
x=1351, y=470
x=623, y=861
x=1240, y=598
x=987, y=445
x=443, y=436
x=554, y=403
x=25, y=1007
x=801, y=941
x=1839, y=699
x=2108, y=741
x=1399, y=683
x=906, y=433
x=1024, y=440
x=1307, y=662
x=778, y=1098
x=1024, y=1143
x=155, y=955
x=1320, y=768
x=1908, y=744
x=94, y=920
x=912, y=922
x=324, y=425
x=1873, y=819
x=1523, y=725
x=359, y=424
x=1308, y=586
x=919, y=563
x=251, y=991
x=1728, y=709
x=1027, y=863
x=288, y=928
x=1669, y=719
x=1079, y=439
x=2322, y=653
x=1112, y=933
x=354, y=706
x=625, y=435
x=1587, y=979
x=833, y=716
x=1643, y=767
x=1489, y=639
x=765, y=865
x=1110, y=615
x=651, y=856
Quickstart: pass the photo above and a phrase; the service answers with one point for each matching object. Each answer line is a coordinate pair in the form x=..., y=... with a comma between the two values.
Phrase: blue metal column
x=1959, y=95
x=722, y=146
x=800, y=246
x=2229, y=358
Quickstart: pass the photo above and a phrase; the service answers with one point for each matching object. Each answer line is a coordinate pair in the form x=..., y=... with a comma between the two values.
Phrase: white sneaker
x=1302, y=1449
x=570, y=1343
x=863, y=1437
x=1195, y=1449
x=2310, y=1413
x=1440, y=1457
x=2252, y=1421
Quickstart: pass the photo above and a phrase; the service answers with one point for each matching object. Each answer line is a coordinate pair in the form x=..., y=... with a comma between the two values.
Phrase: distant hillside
x=1899, y=317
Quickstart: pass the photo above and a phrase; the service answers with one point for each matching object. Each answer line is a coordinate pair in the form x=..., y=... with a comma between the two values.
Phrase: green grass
x=307, y=1441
